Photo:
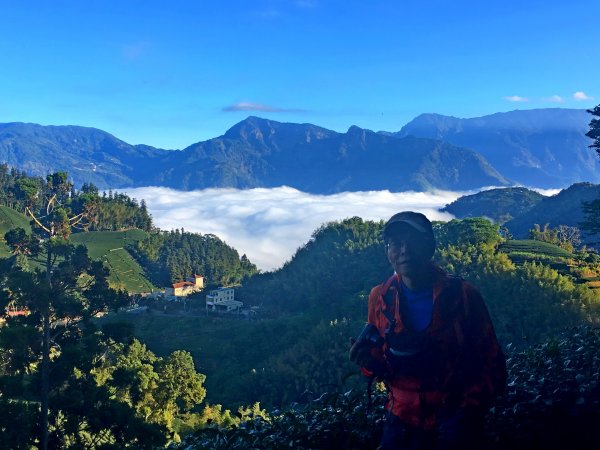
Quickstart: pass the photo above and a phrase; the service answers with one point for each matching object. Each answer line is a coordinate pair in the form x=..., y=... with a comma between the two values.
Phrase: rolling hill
x=500, y=205
x=110, y=247
x=563, y=208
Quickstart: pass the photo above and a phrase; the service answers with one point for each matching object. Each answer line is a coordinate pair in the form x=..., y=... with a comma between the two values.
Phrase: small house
x=222, y=300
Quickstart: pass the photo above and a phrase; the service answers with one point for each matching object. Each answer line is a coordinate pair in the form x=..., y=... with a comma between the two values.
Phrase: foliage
x=157, y=389
x=107, y=212
x=340, y=261
x=534, y=247
x=553, y=394
x=500, y=205
x=528, y=303
x=11, y=219
x=566, y=237
x=62, y=299
x=594, y=131
x=316, y=363
x=172, y=256
x=59, y=330
x=552, y=401
x=111, y=247
x=332, y=421
x=118, y=211
x=470, y=231
x=564, y=208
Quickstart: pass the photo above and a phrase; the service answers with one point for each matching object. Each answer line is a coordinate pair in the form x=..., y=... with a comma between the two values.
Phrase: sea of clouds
x=269, y=225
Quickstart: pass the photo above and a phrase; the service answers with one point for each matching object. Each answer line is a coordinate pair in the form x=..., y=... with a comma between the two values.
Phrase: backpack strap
x=390, y=288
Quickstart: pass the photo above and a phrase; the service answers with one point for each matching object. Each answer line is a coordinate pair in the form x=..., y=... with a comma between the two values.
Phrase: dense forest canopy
x=112, y=211
x=172, y=256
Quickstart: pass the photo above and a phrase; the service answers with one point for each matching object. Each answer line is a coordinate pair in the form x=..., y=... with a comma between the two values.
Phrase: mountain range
x=546, y=148
x=543, y=148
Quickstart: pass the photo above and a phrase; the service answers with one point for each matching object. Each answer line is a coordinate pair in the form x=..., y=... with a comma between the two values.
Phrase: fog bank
x=269, y=225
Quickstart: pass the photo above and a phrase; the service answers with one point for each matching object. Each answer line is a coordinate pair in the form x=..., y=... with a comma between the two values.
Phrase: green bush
x=552, y=401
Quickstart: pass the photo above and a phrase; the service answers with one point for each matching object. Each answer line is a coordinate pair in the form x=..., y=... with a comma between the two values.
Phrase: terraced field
x=530, y=246
x=109, y=246
x=529, y=250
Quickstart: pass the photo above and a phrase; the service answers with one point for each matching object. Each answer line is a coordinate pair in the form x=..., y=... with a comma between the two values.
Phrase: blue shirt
x=416, y=313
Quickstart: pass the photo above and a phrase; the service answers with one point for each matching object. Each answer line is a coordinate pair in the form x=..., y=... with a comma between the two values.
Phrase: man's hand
x=365, y=355
x=360, y=352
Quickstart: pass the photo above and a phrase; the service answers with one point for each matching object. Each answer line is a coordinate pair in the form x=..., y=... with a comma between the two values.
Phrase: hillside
x=545, y=148
x=110, y=247
x=563, y=208
x=88, y=154
x=9, y=219
x=500, y=205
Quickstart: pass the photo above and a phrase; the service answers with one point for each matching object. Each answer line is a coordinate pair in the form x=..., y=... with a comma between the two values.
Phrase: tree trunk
x=46, y=357
x=45, y=377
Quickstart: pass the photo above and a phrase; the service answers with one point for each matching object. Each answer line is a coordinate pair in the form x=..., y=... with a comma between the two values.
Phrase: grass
x=99, y=243
x=536, y=247
x=109, y=246
x=9, y=219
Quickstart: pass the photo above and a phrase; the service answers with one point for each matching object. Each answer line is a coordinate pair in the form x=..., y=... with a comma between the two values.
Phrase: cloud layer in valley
x=269, y=225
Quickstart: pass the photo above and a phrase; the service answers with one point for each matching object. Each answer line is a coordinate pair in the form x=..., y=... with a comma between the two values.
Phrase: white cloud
x=546, y=192
x=555, y=99
x=269, y=225
x=516, y=99
x=581, y=96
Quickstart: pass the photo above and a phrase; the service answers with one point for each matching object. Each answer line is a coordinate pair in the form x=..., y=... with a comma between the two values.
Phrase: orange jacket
x=465, y=364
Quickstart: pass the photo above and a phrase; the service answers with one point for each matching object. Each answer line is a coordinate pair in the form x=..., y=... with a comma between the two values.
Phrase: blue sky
x=169, y=74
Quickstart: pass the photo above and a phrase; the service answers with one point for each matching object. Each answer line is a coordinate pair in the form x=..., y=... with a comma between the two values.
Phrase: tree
x=591, y=210
x=569, y=238
x=594, y=132
x=473, y=230
x=66, y=294
x=20, y=243
x=157, y=389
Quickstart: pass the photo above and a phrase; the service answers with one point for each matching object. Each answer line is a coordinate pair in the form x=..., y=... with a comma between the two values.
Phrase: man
x=430, y=339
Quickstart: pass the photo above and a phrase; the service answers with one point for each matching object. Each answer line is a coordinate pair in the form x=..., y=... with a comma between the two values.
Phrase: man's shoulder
x=376, y=291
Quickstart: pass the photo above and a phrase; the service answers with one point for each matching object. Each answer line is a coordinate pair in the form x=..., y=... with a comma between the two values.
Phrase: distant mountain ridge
x=88, y=154
x=264, y=153
x=544, y=148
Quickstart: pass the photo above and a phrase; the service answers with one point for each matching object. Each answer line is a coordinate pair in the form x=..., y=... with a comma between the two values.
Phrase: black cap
x=415, y=220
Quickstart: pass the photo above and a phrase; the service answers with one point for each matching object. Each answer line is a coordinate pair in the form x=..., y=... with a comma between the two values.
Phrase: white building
x=222, y=300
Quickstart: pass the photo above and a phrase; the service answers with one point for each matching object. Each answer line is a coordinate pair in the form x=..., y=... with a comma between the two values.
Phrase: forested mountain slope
x=88, y=154
x=545, y=148
x=500, y=205
x=563, y=208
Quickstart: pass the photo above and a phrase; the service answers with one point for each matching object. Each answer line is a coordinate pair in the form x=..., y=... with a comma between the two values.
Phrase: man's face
x=408, y=251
